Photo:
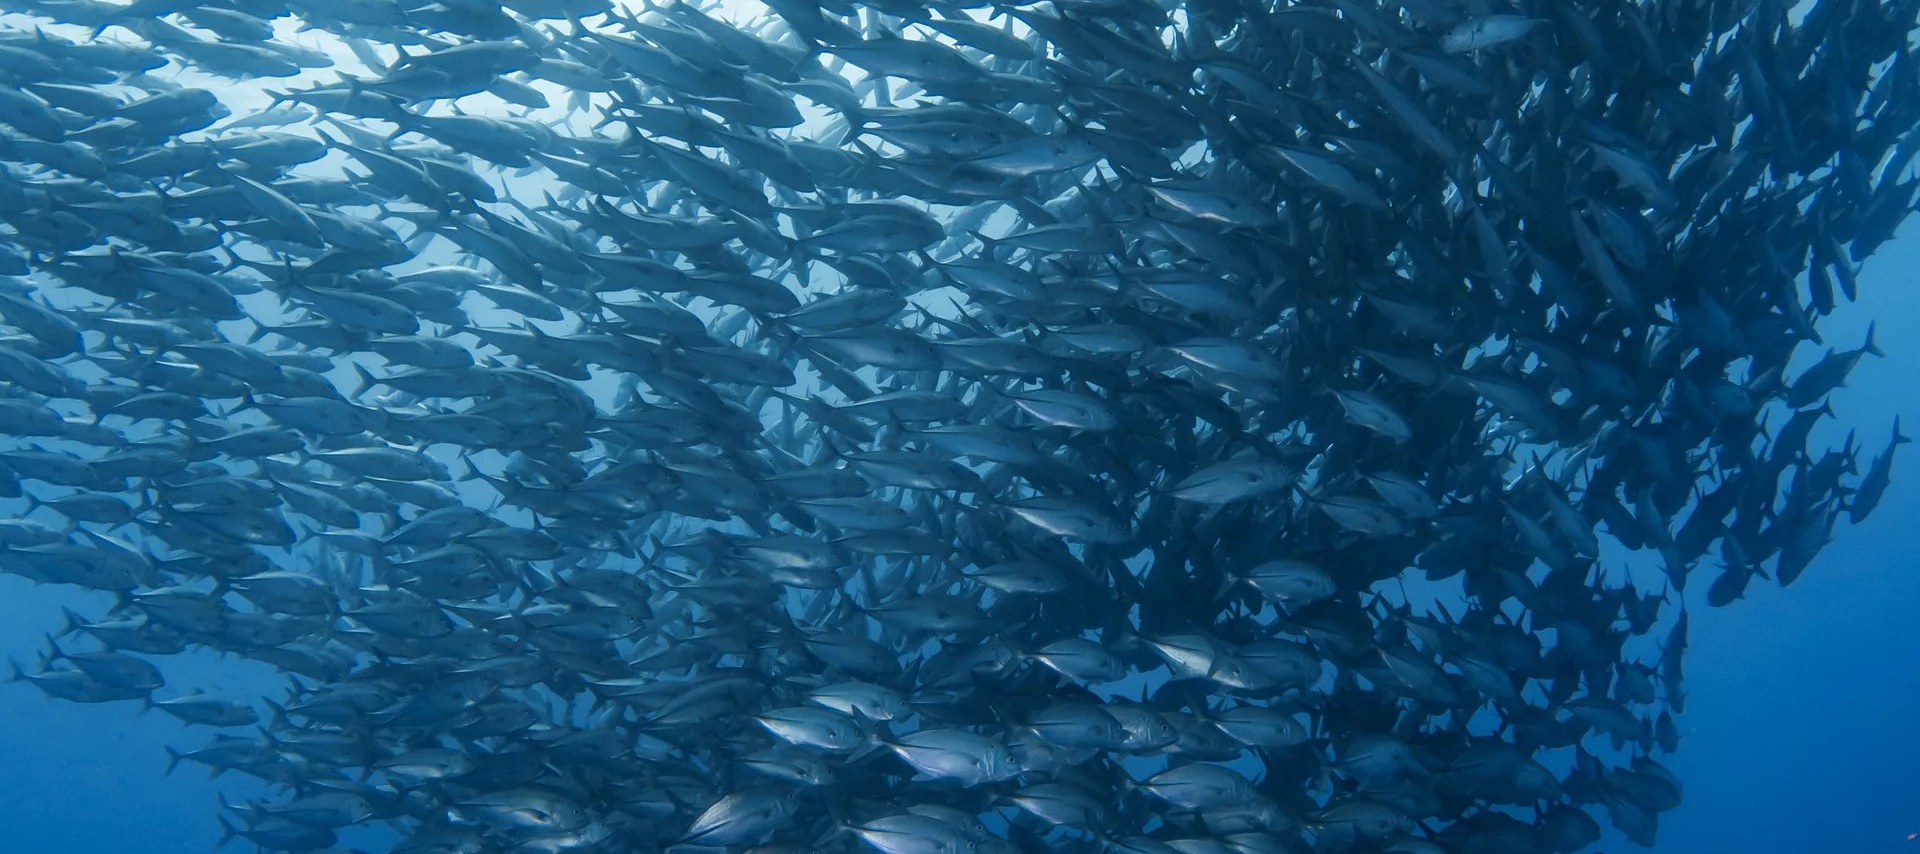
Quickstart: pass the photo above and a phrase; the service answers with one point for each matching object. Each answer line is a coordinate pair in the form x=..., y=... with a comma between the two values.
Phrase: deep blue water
x=1800, y=732
x=1800, y=725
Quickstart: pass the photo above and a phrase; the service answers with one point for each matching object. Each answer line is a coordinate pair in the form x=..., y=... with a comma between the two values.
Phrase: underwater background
x=1799, y=733
x=1800, y=729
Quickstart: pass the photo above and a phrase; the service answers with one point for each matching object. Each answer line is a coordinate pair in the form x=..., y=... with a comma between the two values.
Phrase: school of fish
x=1221, y=427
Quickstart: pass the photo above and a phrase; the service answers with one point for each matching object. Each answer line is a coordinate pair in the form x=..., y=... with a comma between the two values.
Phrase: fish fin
x=367, y=380
x=874, y=744
x=1227, y=583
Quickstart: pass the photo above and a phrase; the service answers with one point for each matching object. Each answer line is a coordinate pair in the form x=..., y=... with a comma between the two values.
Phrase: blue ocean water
x=1799, y=730
x=1798, y=734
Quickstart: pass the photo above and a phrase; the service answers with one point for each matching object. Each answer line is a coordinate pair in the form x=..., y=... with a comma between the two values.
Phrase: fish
x=927, y=427
x=1487, y=31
